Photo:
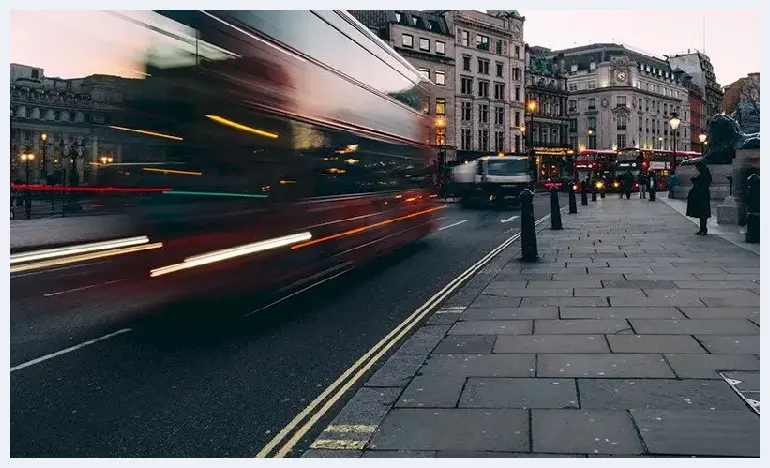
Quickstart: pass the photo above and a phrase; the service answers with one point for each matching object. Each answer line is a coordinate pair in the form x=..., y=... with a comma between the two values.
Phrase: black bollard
x=652, y=191
x=593, y=194
x=528, y=241
x=572, y=200
x=603, y=190
x=583, y=194
x=752, y=209
x=555, y=210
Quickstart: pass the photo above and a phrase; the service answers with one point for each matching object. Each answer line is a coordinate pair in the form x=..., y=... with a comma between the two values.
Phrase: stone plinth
x=720, y=185
x=727, y=212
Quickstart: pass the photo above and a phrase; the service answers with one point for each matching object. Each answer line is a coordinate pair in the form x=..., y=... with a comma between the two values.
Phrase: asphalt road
x=173, y=387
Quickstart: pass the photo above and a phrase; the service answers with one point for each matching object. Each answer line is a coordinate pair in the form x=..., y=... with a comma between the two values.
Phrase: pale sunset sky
x=59, y=43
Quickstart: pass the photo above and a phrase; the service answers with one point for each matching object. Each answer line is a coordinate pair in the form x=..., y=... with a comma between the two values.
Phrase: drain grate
x=745, y=384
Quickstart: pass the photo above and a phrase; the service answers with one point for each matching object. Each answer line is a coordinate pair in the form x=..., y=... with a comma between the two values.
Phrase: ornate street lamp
x=674, y=122
x=532, y=108
x=27, y=158
x=702, y=137
x=43, y=154
x=522, y=129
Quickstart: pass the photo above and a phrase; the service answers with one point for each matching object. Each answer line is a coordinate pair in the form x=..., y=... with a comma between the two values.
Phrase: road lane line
x=509, y=219
x=69, y=350
x=370, y=358
x=452, y=225
x=81, y=289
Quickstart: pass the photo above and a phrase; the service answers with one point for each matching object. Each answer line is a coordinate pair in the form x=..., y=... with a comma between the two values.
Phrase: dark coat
x=698, y=199
x=628, y=181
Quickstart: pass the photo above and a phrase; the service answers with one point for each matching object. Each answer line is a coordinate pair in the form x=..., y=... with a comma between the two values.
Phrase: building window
x=573, y=105
x=591, y=141
x=499, y=115
x=440, y=106
x=466, y=63
x=440, y=77
x=465, y=40
x=482, y=42
x=622, y=121
x=665, y=108
x=483, y=113
x=592, y=123
x=465, y=138
x=647, y=105
x=426, y=107
x=483, y=140
x=621, y=101
x=517, y=145
x=573, y=125
x=407, y=40
x=517, y=94
x=425, y=44
x=499, y=69
x=465, y=111
x=466, y=85
x=592, y=66
x=518, y=51
x=441, y=135
x=483, y=66
x=517, y=119
x=440, y=47
x=499, y=90
x=398, y=17
x=517, y=74
x=591, y=103
x=499, y=47
x=425, y=73
x=499, y=141
x=592, y=84
x=573, y=86
x=484, y=89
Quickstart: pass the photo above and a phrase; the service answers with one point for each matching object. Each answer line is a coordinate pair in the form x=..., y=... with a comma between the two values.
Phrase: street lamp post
x=522, y=130
x=702, y=137
x=532, y=108
x=27, y=158
x=43, y=155
x=674, y=122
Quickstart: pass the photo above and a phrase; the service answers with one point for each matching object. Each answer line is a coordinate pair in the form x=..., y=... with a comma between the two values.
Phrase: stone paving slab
x=397, y=371
x=639, y=284
x=712, y=285
x=636, y=344
x=551, y=344
x=603, y=366
x=424, y=340
x=694, y=327
x=730, y=313
x=429, y=392
x=703, y=433
x=564, y=302
x=453, y=429
x=707, y=366
x=487, y=301
x=446, y=366
x=732, y=344
x=519, y=393
x=510, y=313
x=606, y=313
x=621, y=394
x=472, y=344
x=585, y=327
x=584, y=432
x=492, y=327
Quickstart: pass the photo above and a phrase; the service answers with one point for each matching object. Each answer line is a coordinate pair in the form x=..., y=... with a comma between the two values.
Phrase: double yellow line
x=288, y=437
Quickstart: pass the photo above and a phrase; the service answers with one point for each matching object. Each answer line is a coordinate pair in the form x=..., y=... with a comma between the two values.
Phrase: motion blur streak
x=84, y=257
x=238, y=126
x=226, y=254
x=366, y=228
x=77, y=249
x=39, y=187
x=146, y=132
x=213, y=194
x=171, y=171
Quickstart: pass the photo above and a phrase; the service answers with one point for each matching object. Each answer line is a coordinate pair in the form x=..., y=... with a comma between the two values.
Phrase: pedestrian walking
x=699, y=198
x=642, y=181
x=628, y=185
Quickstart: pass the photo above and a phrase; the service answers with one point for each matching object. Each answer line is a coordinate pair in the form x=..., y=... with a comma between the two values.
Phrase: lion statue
x=725, y=136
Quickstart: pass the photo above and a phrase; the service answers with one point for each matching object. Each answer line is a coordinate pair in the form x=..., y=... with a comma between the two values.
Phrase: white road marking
x=58, y=269
x=69, y=350
x=508, y=220
x=452, y=225
x=81, y=289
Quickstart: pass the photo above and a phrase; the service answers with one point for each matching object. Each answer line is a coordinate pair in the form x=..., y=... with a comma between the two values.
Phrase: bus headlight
x=600, y=185
x=616, y=184
x=575, y=188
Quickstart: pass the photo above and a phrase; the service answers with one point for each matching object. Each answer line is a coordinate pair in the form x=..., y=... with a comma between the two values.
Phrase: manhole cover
x=745, y=384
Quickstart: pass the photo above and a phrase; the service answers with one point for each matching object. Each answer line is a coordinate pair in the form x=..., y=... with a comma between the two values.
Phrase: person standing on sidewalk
x=642, y=181
x=652, y=181
x=698, y=198
x=628, y=184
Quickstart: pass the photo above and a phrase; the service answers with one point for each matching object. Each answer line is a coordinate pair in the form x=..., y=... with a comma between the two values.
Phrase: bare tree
x=750, y=93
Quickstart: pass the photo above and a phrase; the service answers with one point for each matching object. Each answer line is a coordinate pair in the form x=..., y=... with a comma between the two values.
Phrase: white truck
x=493, y=179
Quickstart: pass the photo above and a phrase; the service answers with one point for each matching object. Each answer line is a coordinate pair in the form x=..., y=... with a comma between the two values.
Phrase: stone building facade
x=698, y=66
x=619, y=97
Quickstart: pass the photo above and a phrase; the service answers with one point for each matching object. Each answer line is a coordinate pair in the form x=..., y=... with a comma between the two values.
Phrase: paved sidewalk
x=632, y=336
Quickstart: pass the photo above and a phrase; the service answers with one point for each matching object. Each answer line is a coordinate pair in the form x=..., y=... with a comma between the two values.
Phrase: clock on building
x=621, y=76
x=517, y=32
